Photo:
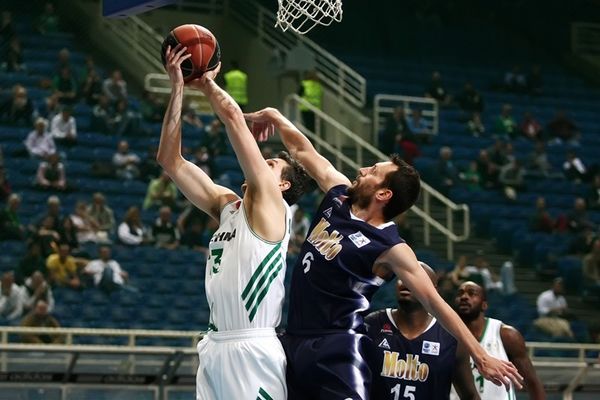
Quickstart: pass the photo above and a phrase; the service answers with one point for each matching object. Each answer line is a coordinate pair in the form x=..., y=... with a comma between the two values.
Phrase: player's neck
x=477, y=326
x=411, y=322
x=370, y=214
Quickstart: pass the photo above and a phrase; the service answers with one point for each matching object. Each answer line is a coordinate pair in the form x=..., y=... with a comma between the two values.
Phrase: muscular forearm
x=169, y=149
x=294, y=141
x=223, y=105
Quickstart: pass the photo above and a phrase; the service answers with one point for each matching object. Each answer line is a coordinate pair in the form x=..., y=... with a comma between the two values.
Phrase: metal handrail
x=291, y=109
x=585, y=38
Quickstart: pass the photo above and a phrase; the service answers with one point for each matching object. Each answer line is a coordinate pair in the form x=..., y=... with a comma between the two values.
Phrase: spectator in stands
x=18, y=109
x=12, y=300
x=563, y=129
x=53, y=209
x=396, y=127
x=125, y=162
x=216, y=139
x=64, y=85
x=553, y=310
x=63, y=59
x=68, y=234
x=591, y=267
x=574, y=169
x=437, y=91
x=63, y=127
x=131, y=231
x=37, y=288
x=91, y=87
x=63, y=268
x=515, y=81
x=541, y=221
x=39, y=317
x=461, y=272
x=506, y=127
x=10, y=223
x=149, y=168
x=7, y=29
x=192, y=237
x=47, y=235
x=50, y=107
x=471, y=178
x=51, y=174
x=115, y=87
x=123, y=120
x=475, y=125
x=151, y=107
x=39, y=142
x=300, y=226
x=5, y=188
x=48, y=21
x=87, y=227
x=535, y=81
x=446, y=170
x=593, y=196
x=164, y=233
x=13, y=56
x=102, y=214
x=311, y=91
x=482, y=267
x=101, y=114
x=161, y=192
x=577, y=218
x=498, y=154
x=530, y=127
x=106, y=272
x=31, y=262
x=470, y=100
x=512, y=178
x=419, y=127
x=538, y=164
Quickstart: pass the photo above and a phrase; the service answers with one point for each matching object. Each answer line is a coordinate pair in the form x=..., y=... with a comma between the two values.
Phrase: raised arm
x=402, y=261
x=263, y=196
x=517, y=353
x=462, y=379
x=193, y=182
x=299, y=147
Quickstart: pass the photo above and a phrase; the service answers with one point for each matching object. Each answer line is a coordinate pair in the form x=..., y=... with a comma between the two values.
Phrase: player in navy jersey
x=352, y=246
x=414, y=354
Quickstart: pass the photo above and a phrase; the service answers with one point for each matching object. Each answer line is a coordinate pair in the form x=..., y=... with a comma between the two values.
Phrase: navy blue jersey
x=333, y=280
x=423, y=366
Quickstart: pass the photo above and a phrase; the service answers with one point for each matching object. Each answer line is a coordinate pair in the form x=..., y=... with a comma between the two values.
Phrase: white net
x=301, y=16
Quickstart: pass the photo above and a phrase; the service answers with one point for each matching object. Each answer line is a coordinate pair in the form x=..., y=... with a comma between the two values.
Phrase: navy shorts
x=329, y=367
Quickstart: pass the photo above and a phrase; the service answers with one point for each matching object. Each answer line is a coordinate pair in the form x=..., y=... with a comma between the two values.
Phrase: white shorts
x=246, y=364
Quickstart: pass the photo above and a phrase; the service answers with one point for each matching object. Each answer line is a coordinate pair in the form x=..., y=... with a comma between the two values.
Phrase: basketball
x=200, y=43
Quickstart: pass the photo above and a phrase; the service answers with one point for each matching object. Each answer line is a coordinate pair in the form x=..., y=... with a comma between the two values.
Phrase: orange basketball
x=200, y=43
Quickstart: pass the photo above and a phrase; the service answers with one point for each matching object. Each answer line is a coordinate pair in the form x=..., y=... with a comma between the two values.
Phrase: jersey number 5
x=408, y=392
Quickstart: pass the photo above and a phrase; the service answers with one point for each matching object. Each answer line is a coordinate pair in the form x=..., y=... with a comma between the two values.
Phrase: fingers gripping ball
x=200, y=43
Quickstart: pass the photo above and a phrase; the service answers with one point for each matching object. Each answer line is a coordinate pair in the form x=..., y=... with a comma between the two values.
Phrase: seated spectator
x=541, y=221
x=18, y=109
x=591, y=267
x=39, y=142
x=553, y=309
x=475, y=125
x=471, y=177
x=506, y=126
x=164, y=233
x=149, y=168
x=125, y=162
x=461, y=272
x=13, y=56
x=91, y=86
x=538, y=164
x=436, y=89
x=577, y=218
x=39, y=317
x=36, y=288
x=161, y=192
x=50, y=108
x=152, y=109
x=64, y=127
x=123, y=120
x=10, y=223
x=115, y=87
x=535, y=81
x=419, y=127
x=5, y=188
x=87, y=227
x=530, y=127
x=498, y=154
x=65, y=86
x=48, y=21
x=593, y=197
x=574, y=169
x=51, y=174
x=512, y=178
x=53, y=209
x=563, y=129
x=31, y=262
x=131, y=231
x=63, y=268
x=106, y=272
x=470, y=100
x=47, y=235
x=68, y=234
x=63, y=59
x=446, y=170
x=396, y=127
x=300, y=226
x=102, y=214
x=101, y=114
x=489, y=279
x=12, y=300
x=515, y=81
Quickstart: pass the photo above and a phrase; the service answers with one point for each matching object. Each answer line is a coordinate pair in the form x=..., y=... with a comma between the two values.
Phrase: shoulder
x=375, y=320
x=511, y=337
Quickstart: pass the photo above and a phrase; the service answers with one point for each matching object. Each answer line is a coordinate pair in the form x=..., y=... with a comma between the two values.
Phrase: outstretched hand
x=500, y=372
x=261, y=124
x=174, y=57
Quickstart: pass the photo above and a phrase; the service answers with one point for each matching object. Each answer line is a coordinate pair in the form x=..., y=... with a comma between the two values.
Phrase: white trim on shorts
x=241, y=334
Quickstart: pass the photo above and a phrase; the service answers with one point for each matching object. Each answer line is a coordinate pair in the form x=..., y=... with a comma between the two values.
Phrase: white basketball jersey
x=492, y=343
x=244, y=273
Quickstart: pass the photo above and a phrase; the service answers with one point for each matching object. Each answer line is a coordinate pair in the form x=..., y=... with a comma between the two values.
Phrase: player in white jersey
x=240, y=357
x=499, y=340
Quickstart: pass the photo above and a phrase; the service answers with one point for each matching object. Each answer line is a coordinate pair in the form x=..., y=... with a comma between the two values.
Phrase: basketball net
x=301, y=16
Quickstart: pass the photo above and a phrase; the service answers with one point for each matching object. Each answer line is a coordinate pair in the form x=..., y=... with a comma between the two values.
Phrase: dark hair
x=296, y=175
x=405, y=184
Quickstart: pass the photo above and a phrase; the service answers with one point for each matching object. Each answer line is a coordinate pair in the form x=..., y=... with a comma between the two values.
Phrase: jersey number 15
x=408, y=392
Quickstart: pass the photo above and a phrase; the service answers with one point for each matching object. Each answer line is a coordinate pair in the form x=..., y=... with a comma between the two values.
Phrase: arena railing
x=585, y=38
x=385, y=104
x=325, y=126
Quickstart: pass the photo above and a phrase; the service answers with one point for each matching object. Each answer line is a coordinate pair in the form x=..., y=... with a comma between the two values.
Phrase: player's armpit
x=514, y=344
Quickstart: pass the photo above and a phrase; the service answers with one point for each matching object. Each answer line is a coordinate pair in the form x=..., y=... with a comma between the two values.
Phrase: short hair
x=405, y=184
x=296, y=175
